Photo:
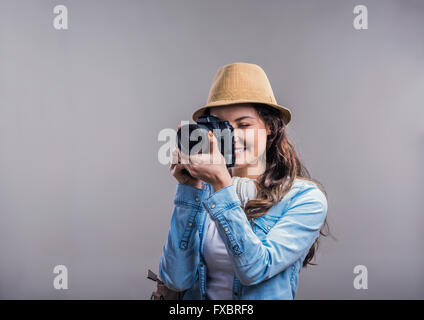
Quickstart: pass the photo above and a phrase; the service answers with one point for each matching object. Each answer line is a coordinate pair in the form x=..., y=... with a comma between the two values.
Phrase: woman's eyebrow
x=244, y=117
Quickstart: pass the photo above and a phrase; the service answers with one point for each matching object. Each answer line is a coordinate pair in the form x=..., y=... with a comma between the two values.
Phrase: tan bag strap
x=162, y=292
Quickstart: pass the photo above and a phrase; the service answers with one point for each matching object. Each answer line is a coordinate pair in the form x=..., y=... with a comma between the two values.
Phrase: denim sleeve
x=255, y=260
x=180, y=254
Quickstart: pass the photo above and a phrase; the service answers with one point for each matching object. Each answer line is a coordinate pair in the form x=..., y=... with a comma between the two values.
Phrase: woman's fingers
x=213, y=147
x=197, y=159
x=201, y=159
x=216, y=156
x=175, y=156
x=213, y=157
x=211, y=142
x=185, y=158
x=177, y=172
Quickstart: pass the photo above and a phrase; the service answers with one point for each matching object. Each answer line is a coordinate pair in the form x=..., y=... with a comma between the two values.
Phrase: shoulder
x=304, y=197
x=301, y=185
x=306, y=192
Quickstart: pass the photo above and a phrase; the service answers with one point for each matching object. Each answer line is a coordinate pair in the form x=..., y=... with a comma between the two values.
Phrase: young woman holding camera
x=224, y=243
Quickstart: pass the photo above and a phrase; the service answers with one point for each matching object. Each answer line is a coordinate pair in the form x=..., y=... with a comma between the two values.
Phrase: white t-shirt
x=220, y=272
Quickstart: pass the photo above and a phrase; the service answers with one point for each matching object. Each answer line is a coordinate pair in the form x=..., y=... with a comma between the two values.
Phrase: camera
x=194, y=138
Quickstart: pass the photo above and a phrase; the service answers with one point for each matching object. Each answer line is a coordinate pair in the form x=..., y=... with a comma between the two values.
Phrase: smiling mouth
x=239, y=150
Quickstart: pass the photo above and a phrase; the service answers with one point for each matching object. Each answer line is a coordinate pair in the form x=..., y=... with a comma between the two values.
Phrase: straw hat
x=241, y=82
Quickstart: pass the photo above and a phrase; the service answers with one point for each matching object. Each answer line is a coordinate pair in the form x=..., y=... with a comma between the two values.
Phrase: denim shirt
x=266, y=253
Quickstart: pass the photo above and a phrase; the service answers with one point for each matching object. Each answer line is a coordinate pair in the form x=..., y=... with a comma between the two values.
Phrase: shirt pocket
x=264, y=224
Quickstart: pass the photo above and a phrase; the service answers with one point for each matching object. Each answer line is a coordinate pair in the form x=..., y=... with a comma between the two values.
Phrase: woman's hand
x=209, y=167
x=180, y=173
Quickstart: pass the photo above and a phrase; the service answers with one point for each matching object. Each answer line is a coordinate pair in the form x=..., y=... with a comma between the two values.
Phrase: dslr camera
x=194, y=138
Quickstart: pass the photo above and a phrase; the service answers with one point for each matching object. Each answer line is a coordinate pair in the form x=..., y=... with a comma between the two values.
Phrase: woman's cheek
x=253, y=154
x=249, y=155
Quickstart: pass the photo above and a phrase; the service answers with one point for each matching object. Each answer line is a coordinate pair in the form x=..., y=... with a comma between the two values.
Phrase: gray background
x=80, y=113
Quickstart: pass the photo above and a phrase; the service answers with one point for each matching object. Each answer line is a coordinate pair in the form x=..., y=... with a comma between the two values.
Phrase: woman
x=218, y=248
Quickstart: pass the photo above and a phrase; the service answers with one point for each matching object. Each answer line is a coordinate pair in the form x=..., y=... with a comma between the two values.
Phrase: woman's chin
x=241, y=162
x=239, y=165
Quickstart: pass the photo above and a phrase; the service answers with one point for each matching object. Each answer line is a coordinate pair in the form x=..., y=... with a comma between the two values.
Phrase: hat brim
x=285, y=112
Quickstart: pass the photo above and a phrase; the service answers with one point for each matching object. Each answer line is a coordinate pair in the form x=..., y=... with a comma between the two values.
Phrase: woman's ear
x=268, y=130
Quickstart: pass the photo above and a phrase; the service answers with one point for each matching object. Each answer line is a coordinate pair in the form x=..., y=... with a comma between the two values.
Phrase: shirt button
x=197, y=199
x=213, y=205
x=226, y=229
x=190, y=224
x=201, y=265
x=268, y=228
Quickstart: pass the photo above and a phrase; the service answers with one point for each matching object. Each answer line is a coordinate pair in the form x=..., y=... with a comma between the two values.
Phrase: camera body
x=194, y=138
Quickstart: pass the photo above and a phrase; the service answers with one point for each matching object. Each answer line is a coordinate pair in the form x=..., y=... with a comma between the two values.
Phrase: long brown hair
x=283, y=166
